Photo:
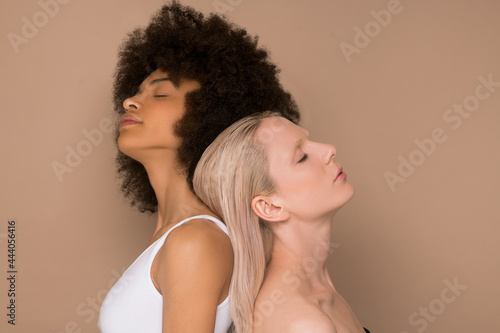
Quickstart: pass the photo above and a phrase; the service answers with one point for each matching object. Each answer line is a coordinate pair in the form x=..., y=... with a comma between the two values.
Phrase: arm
x=194, y=271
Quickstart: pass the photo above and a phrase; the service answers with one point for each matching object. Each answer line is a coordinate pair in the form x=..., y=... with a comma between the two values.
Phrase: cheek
x=305, y=187
x=168, y=118
x=312, y=179
x=162, y=127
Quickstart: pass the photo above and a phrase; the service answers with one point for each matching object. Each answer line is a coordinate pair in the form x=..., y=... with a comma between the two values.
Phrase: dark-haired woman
x=179, y=83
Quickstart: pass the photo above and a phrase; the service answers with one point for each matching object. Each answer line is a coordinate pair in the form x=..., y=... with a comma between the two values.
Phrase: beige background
x=396, y=246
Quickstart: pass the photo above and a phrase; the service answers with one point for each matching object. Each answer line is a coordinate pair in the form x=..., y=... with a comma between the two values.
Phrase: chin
x=127, y=147
x=351, y=192
x=122, y=144
x=346, y=195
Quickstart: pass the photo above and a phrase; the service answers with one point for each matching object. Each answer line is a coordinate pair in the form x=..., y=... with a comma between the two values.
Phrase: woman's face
x=147, y=126
x=309, y=183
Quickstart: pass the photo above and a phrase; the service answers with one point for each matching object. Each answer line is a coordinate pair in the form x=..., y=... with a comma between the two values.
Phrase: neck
x=303, y=248
x=176, y=200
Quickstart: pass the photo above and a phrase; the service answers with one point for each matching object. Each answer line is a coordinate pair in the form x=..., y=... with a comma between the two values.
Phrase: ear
x=266, y=209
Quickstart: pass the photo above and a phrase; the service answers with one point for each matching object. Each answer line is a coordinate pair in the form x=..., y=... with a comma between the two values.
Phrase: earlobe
x=267, y=210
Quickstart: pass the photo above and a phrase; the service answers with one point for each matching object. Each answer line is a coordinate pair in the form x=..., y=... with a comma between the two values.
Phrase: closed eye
x=160, y=95
x=303, y=159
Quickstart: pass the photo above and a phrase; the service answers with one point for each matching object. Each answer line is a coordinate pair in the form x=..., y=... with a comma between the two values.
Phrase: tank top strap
x=218, y=222
x=155, y=247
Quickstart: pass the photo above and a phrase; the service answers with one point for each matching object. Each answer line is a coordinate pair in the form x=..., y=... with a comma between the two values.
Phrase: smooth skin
x=192, y=270
x=298, y=294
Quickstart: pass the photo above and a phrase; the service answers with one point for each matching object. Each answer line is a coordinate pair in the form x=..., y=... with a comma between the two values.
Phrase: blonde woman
x=278, y=191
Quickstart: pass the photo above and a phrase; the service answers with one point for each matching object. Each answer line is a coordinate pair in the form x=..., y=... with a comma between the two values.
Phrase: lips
x=129, y=119
x=340, y=175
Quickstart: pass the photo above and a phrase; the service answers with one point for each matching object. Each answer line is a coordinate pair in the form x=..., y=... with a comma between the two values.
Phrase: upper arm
x=194, y=271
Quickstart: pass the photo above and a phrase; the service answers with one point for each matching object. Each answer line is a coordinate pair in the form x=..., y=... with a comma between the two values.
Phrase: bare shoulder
x=197, y=251
x=296, y=318
x=312, y=324
x=282, y=309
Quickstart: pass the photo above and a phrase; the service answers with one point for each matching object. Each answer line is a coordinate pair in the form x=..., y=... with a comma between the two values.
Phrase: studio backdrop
x=407, y=91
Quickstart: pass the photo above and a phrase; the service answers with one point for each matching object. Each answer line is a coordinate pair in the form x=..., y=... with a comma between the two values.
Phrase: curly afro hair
x=235, y=74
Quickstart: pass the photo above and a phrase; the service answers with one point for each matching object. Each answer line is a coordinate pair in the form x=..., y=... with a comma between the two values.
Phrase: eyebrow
x=157, y=81
x=300, y=141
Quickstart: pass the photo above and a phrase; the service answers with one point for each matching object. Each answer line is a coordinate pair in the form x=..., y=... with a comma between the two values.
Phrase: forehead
x=156, y=74
x=278, y=134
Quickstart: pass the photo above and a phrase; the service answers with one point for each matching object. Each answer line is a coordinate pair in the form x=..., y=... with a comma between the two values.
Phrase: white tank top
x=134, y=304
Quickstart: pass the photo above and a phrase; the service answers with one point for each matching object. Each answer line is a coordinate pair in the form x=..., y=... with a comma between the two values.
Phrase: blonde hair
x=231, y=172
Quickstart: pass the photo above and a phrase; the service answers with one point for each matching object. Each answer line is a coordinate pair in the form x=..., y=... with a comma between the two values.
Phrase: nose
x=131, y=103
x=329, y=152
